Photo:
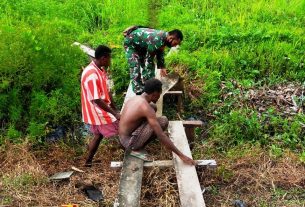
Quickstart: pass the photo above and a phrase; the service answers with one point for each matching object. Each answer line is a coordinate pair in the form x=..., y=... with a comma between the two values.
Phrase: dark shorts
x=142, y=135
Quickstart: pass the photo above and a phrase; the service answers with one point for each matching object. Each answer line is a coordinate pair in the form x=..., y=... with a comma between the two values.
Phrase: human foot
x=88, y=164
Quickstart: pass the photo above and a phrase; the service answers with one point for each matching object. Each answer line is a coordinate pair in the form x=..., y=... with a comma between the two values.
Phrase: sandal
x=141, y=155
x=91, y=163
x=88, y=164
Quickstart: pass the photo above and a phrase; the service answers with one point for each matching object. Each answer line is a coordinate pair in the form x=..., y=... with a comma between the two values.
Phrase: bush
x=40, y=70
x=235, y=128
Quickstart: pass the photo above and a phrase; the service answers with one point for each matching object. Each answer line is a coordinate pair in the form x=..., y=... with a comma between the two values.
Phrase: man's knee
x=163, y=121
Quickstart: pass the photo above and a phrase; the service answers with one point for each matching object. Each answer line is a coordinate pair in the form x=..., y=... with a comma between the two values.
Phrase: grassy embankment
x=229, y=49
x=40, y=90
x=232, y=54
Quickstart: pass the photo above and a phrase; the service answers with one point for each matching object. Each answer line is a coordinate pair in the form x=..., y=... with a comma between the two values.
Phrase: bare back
x=135, y=111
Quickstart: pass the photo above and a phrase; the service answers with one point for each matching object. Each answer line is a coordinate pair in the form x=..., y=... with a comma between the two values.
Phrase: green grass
x=22, y=181
x=40, y=70
x=252, y=42
x=244, y=40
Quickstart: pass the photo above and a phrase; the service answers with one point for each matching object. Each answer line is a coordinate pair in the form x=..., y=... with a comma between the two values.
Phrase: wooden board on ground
x=131, y=175
x=61, y=176
x=132, y=170
x=130, y=182
x=167, y=83
x=187, y=179
x=166, y=163
x=192, y=123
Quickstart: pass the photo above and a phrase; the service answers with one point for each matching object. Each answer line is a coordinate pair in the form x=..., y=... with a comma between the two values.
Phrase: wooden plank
x=132, y=172
x=89, y=51
x=167, y=83
x=160, y=101
x=189, y=128
x=173, y=93
x=188, y=183
x=129, y=94
x=61, y=175
x=167, y=93
x=130, y=182
x=159, y=106
x=192, y=123
x=166, y=163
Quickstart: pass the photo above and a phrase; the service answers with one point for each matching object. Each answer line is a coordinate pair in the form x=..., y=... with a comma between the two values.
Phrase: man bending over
x=139, y=124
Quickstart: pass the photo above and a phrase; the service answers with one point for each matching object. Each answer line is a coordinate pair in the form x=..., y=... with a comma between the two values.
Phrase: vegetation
x=40, y=70
x=230, y=49
x=252, y=44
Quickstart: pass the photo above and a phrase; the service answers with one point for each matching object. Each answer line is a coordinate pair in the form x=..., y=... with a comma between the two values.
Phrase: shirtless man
x=139, y=123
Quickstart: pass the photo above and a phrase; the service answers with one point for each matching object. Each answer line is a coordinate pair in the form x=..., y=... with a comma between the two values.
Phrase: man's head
x=153, y=88
x=174, y=38
x=103, y=56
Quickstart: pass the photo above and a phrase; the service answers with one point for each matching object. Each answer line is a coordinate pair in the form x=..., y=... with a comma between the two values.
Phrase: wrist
x=113, y=112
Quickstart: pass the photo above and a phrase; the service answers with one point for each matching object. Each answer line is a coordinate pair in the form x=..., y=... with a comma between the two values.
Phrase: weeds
x=39, y=67
x=253, y=43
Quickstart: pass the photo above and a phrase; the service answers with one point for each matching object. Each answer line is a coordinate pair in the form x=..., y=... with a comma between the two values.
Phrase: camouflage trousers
x=141, y=66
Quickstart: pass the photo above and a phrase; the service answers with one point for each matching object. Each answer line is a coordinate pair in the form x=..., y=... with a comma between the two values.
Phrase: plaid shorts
x=142, y=135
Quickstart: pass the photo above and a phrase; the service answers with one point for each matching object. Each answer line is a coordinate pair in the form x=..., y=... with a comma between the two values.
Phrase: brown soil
x=253, y=176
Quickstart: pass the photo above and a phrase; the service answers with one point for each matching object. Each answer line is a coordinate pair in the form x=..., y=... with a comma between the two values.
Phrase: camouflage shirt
x=149, y=41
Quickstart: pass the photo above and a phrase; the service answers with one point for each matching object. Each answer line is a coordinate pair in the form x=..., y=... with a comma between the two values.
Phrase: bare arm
x=161, y=62
x=105, y=107
x=152, y=120
x=112, y=102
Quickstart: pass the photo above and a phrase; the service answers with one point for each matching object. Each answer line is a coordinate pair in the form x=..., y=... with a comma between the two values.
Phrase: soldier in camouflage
x=142, y=45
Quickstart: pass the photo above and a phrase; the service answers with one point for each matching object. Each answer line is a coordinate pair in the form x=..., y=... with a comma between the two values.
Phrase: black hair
x=102, y=51
x=153, y=85
x=177, y=33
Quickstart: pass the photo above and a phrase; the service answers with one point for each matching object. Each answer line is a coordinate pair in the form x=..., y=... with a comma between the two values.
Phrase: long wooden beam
x=130, y=182
x=192, y=123
x=166, y=163
x=89, y=51
x=187, y=179
x=132, y=172
x=167, y=83
x=178, y=93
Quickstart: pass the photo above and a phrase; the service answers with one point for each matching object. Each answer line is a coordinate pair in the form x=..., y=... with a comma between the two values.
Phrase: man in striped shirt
x=98, y=108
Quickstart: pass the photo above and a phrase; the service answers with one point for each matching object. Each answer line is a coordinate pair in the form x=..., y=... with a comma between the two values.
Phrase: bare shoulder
x=142, y=104
x=148, y=110
x=137, y=102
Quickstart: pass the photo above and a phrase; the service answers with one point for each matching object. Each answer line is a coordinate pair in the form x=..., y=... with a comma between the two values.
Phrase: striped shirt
x=94, y=85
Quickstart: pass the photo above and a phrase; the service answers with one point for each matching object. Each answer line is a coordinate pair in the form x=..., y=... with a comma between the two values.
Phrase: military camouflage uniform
x=141, y=46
